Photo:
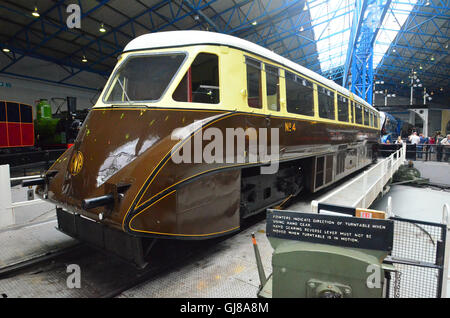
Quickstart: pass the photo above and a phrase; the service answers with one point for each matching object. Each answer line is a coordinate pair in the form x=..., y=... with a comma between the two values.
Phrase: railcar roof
x=185, y=38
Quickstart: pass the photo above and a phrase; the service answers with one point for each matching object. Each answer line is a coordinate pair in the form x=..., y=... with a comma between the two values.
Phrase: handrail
x=386, y=168
x=25, y=178
x=445, y=213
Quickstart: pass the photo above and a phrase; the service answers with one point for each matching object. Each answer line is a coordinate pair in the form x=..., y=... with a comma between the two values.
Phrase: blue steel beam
x=362, y=66
x=201, y=5
x=48, y=81
x=421, y=28
x=358, y=15
x=42, y=17
x=178, y=17
x=263, y=15
x=32, y=51
x=193, y=7
x=22, y=54
x=356, y=31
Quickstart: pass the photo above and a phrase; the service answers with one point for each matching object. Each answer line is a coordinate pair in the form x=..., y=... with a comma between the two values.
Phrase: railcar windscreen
x=143, y=77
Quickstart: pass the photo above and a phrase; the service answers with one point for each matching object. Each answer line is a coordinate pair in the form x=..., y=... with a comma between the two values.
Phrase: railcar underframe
x=256, y=192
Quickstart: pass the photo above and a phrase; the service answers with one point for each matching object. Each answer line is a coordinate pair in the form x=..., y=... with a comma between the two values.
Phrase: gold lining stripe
x=173, y=234
x=269, y=114
x=126, y=214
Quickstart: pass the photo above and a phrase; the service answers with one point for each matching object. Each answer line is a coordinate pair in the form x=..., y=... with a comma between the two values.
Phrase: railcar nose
x=116, y=151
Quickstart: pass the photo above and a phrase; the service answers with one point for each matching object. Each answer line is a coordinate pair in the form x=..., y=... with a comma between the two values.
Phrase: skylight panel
x=392, y=24
x=331, y=21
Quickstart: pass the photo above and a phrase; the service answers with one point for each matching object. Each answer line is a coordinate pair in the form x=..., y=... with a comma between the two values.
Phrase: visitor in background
x=420, y=146
x=414, y=139
x=446, y=143
x=430, y=146
x=439, y=146
x=399, y=141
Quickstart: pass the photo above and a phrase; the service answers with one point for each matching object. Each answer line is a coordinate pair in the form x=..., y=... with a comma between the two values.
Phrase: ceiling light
x=402, y=82
x=432, y=58
x=35, y=13
x=6, y=50
x=254, y=23
x=428, y=3
x=394, y=50
x=442, y=89
x=102, y=28
x=301, y=29
x=84, y=59
x=420, y=67
x=305, y=8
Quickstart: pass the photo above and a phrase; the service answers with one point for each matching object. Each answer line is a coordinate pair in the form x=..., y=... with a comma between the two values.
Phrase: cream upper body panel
x=188, y=38
x=232, y=53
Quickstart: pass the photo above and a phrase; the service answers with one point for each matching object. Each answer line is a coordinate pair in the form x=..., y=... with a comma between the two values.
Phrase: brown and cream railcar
x=120, y=183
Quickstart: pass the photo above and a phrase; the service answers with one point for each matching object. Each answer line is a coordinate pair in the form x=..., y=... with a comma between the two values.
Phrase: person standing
x=446, y=143
x=414, y=139
x=430, y=146
x=439, y=146
x=420, y=147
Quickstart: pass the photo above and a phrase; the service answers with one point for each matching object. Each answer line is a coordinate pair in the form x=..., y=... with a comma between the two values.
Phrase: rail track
x=10, y=270
x=102, y=276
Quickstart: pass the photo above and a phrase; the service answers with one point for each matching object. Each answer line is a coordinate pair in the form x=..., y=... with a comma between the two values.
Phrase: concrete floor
x=42, y=211
x=437, y=172
x=228, y=271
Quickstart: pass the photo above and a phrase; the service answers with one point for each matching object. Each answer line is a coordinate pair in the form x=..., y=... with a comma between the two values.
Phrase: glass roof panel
x=331, y=21
x=392, y=24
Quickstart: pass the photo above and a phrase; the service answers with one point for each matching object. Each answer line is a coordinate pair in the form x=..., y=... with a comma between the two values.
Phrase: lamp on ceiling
x=84, y=59
x=35, y=13
x=102, y=28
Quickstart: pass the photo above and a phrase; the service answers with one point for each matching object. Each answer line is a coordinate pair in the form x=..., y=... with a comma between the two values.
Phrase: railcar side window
x=299, y=95
x=342, y=108
x=358, y=114
x=144, y=77
x=377, y=122
x=2, y=111
x=13, y=112
x=352, y=109
x=26, y=115
x=326, y=103
x=366, y=117
x=371, y=120
x=273, y=87
x=200, y=84
x=254, y=83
